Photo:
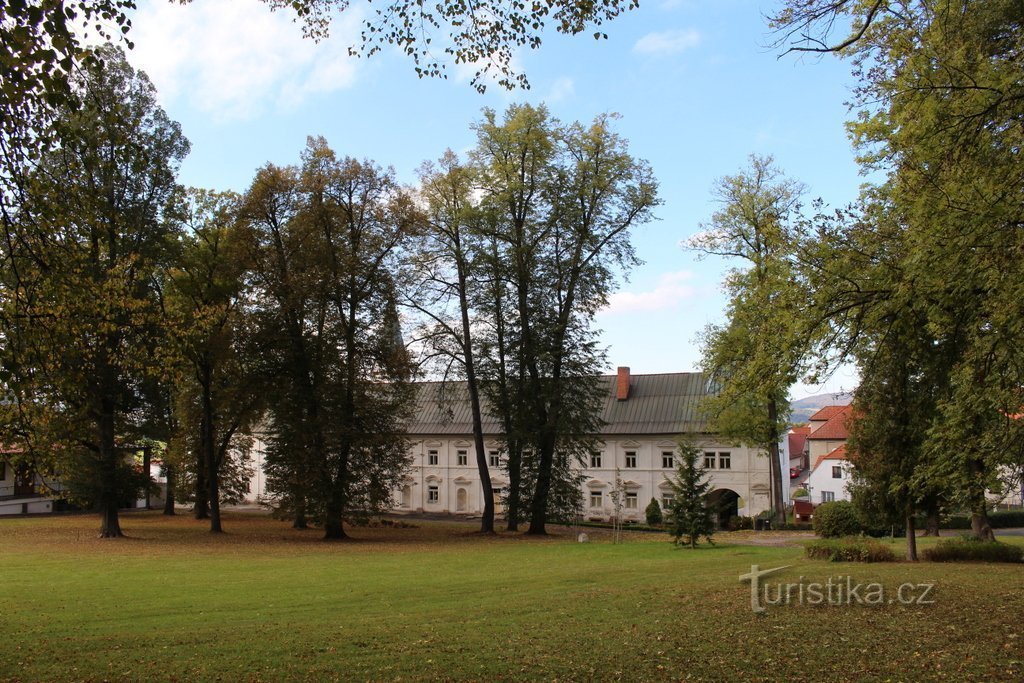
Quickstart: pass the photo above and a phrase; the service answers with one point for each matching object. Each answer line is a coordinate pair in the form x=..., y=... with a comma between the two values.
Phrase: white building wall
x=747, y=475
x=821, y=481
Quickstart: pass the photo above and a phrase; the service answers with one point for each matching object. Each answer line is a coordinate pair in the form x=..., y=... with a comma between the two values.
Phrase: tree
x=448, y=250
x=218, y=396
x=940, y=100
x=653, y=512
x=690, y=517
x=327, y=240
x=91, y=230
x=561, y=201
x=756, y=356
x=484, y=35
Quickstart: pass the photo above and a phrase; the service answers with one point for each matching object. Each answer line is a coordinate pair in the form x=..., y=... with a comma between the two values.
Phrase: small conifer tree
x=653, y=512
x=691, y=517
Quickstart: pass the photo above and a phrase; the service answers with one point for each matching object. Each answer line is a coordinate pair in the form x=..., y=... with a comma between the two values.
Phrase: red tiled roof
x=835, y=454
x=827, y=413
x=835, y=428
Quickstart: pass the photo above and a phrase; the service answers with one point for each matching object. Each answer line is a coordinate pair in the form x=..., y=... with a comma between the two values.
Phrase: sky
x=697, y=88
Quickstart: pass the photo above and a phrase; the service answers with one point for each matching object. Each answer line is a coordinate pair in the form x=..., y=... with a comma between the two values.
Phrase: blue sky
x=695, y=86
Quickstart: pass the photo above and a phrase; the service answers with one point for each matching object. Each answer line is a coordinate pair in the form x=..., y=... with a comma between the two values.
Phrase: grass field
x=266, y=603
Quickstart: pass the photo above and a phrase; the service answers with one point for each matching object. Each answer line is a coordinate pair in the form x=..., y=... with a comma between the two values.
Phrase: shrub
x=737, y=523
x=836, y=519
x=653, y=513
x=799, y=493
x=967, y=549
x=849, y=549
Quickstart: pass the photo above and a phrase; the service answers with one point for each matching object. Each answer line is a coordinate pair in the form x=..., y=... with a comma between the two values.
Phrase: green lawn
x=264, y=602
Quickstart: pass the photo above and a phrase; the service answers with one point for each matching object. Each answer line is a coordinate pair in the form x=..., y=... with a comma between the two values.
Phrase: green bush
x=737, y=523
x=967, y=549
x=836, y=519
x=799, y=493
x=849, y=549
x=653, y=513
x=1006, y=519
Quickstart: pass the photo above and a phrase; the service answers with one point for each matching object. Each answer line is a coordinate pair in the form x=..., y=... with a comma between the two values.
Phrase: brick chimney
x=622, y=385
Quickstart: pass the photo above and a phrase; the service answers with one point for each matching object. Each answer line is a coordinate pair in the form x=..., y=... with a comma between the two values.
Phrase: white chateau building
x=644, y=416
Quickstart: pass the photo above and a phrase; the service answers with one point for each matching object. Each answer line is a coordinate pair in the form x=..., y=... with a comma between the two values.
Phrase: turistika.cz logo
x=837, y=591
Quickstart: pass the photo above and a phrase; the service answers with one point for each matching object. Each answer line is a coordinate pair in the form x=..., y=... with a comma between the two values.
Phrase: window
x=462, y=457
x=709, y=460
x=431, y=457
x=828, y=496
x=433, y=495
x=630, y=460
x=668, y=460
x=595, y=459
x=666, y=500
x=596, y=499
x=494, y=458
x=725, y=461
x=837, y=472
x=3, y=470
x=631, y=500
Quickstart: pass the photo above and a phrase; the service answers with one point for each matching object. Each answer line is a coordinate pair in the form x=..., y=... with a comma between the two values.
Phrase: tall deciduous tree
x=562, y=201
x=88, y=236
x=218, y=395
x=328, y=237
x=449, y=249
x=942, y=95
x=756, y=356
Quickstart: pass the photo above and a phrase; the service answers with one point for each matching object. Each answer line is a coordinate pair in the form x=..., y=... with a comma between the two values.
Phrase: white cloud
x=671, y=289
x=563, y=88
x=232, y=59
x=663, y=43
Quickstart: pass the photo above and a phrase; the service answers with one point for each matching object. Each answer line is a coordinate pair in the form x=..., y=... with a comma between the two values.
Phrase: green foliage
x=755, y=357
x=739, y=523
x=800, y=493
x=466, y=33
x=969, y=549
x=921, y=284
x=856, y=549
x=835, y=519
x=690, y=517
x=653, y=512
x=327, y=242
x=94, y=227
x=542, y=282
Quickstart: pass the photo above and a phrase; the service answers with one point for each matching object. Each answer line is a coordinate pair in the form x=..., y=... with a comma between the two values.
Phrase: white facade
x=444, y=477
x=829, y=480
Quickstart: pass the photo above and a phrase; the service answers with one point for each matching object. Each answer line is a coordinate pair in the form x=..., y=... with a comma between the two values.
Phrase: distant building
x=830, y=473
x=644, y=416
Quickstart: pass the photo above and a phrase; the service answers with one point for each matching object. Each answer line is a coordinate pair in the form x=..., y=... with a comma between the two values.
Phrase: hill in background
x=805, y=407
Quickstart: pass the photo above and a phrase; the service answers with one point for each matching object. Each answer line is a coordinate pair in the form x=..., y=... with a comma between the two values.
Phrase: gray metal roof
x=657, y=404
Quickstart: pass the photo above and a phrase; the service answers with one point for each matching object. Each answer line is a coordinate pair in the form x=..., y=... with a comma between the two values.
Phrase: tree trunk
x=911, y=532
x=208, y=448
x=110, y=526
x=201, y=509
x=169, y=493
x=333, y=529
x=300, y=515
x=539, y=504
x=980, y=526
x=775, y=470
x=110, y=489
